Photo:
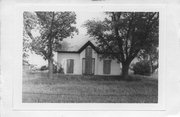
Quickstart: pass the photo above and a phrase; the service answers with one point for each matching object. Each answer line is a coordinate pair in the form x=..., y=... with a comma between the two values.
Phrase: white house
x=86, y=61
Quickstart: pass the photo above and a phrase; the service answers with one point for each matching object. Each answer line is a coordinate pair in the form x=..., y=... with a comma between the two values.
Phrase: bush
x=54, y=68
x=57, y=70
x=61, y=70
x=142, y=68
x=44, y=68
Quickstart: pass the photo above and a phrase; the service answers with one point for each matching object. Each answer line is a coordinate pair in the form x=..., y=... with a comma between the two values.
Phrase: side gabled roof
x=89, y=43
x=81, y=49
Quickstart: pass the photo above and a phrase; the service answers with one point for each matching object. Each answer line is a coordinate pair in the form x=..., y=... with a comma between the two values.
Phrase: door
x=88, y=62
x=87, y=68
x=70, y=65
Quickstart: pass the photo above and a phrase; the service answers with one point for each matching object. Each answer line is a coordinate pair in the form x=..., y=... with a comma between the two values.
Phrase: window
x=107, y=66
x=89, y=52
x=70, y=65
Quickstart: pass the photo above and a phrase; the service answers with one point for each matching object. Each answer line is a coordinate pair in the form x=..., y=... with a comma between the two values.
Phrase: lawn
x=38, y=88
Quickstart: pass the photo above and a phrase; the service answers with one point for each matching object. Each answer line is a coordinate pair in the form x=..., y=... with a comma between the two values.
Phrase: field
x=38, y=88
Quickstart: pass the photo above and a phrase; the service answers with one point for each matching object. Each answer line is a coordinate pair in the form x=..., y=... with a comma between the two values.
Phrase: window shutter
x=93, y=65
x=83, y=65
x=107, y=66
x=70, y=66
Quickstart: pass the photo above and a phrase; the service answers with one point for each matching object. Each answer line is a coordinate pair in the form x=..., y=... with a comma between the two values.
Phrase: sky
x=77, y=40
x=82, y=17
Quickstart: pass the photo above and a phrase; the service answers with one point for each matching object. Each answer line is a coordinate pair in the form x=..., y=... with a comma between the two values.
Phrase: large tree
x=30, y=22
x=124, y=35
x=52, y=28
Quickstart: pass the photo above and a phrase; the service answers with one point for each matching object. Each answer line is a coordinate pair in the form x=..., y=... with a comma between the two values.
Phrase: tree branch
x=117, y=37
x=109, y=47
x=128, y=33
x=50, y=38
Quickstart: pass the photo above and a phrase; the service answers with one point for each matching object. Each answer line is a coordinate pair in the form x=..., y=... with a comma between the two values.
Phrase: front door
x=88, y=62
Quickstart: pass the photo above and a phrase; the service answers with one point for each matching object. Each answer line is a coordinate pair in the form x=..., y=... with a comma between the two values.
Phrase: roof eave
x=67, y=51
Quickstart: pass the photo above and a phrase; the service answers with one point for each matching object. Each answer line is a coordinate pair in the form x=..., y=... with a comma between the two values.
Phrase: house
x=86, y=61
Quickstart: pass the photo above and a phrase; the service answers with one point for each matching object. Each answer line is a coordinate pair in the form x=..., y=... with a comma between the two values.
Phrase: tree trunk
x=50, y=60
x=50, y=67
x=125, y=69
x=50, y=50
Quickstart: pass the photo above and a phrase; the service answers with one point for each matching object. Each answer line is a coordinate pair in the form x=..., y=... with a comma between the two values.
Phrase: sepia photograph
x=90, y=57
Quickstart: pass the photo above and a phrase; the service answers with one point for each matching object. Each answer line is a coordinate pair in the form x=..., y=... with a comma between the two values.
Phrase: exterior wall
x=115, y=67
x=62, y=59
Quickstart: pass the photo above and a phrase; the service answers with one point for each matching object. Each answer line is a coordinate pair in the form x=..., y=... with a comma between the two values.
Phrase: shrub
x=54, y=68
x=44, y=68
x=142, y=68
x=57, y=69
x=61, y=70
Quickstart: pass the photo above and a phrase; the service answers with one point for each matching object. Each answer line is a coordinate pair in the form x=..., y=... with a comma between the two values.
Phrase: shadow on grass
x=83, y=77
x=42, y=75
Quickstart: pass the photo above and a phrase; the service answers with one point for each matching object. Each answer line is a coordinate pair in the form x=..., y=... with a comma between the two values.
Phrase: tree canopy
x=52, y=28
x=125, y=35
x=54, y=25
x=29, y=21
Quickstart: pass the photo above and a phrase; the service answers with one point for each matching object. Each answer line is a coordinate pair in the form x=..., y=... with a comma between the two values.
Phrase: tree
x=53, y=27
x=150, y=55
x=30, y=22
x=123, y=35
x=153, y=58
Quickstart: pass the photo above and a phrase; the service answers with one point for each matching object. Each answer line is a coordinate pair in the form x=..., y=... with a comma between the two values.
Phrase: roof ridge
x=81, y=48
x=87, y=44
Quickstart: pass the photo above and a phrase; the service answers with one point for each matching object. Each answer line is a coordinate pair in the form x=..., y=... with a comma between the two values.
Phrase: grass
x=38, y=88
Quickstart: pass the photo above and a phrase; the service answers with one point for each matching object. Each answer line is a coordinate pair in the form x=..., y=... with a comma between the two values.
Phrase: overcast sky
x=77, y=40
x=82, y=17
